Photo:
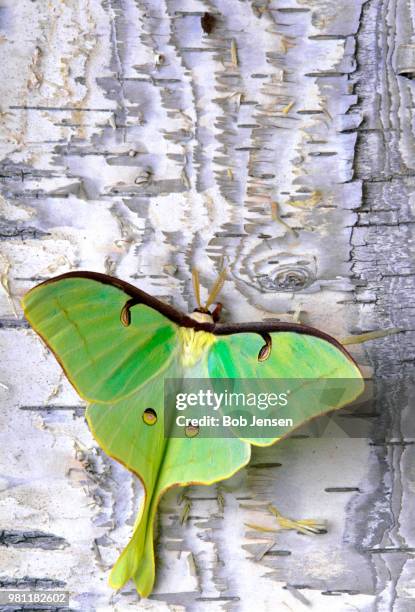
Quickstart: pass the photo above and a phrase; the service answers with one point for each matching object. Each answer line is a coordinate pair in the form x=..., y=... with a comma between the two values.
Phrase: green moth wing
x=79, y=319
x=160, y=463
x=293, y=356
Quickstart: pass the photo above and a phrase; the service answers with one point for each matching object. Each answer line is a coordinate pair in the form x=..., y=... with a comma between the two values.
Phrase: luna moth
x=117, y=345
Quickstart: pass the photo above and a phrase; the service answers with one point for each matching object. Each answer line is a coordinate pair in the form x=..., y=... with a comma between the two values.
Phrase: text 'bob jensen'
x=228, y=421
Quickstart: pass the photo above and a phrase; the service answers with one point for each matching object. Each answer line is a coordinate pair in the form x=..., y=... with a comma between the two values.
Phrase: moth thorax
x=194, y=344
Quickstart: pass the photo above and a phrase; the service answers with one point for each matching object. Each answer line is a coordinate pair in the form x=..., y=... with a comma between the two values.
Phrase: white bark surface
x=282, y=143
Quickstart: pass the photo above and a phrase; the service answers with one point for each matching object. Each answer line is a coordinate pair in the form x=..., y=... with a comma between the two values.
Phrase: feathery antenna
x=196, y=286
x=216, y=288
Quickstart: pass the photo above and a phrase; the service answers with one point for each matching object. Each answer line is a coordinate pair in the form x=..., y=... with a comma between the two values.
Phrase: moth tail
x=145, y=574
x=137, y=559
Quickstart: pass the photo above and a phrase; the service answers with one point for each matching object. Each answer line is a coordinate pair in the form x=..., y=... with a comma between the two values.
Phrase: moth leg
x=125, y=315
x=216, y=312
x=265, y=350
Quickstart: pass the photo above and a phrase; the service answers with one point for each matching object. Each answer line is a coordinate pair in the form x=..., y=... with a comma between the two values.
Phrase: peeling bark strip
x=31, y=539
x=27, y=582
x=6, y=323
x=138, y=143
